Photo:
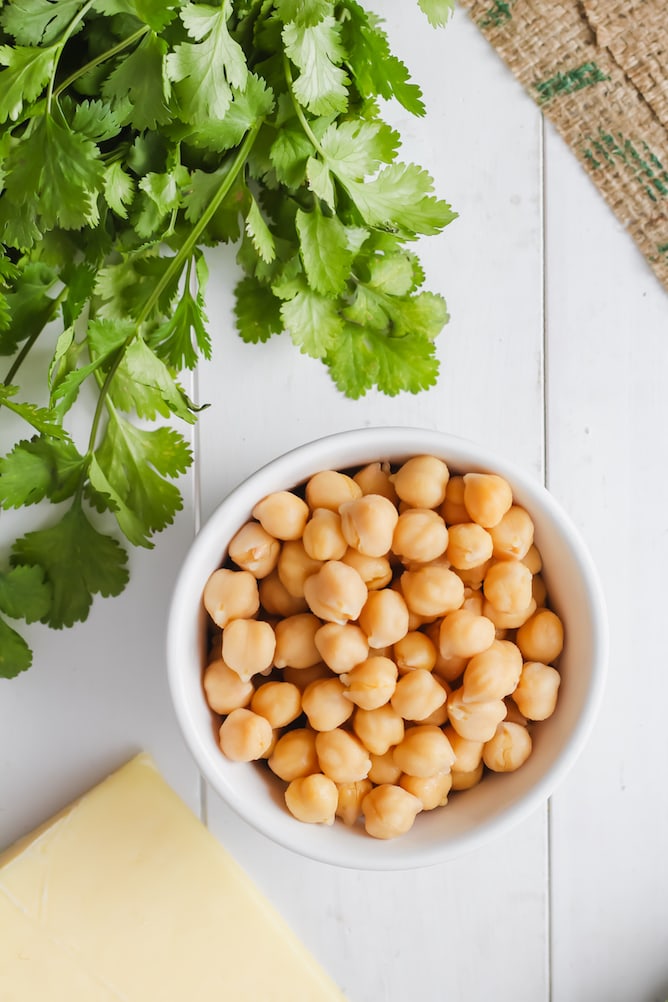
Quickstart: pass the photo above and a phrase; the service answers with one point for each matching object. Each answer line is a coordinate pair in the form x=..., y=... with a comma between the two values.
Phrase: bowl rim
x=379, y=442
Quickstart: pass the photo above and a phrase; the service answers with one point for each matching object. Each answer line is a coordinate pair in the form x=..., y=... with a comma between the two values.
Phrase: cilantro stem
x=174, y=268
x=125, y=43
x=299, y=110
x=62, y=42
x=27, y=345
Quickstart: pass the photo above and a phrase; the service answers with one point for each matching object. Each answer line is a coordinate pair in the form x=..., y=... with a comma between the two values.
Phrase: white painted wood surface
x=557, y=356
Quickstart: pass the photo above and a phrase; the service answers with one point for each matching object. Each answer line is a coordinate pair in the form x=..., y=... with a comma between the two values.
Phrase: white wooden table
x=556, y=355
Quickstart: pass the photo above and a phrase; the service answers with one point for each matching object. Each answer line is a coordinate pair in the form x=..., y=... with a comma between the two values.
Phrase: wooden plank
x=607, y=359
x=453, y=930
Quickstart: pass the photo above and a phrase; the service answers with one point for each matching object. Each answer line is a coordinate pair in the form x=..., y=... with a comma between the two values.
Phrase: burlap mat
x=599, y=71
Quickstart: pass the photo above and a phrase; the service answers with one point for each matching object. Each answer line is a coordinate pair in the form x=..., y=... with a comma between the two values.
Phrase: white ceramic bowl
x=471, y=817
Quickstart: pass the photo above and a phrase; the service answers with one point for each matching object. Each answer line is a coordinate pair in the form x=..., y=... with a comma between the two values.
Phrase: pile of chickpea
x=382, y=637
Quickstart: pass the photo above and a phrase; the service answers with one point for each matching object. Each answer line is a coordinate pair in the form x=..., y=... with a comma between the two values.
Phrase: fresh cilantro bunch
x=135, y=134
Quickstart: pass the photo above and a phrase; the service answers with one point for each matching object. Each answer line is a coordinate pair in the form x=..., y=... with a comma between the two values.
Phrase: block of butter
x=126, y=897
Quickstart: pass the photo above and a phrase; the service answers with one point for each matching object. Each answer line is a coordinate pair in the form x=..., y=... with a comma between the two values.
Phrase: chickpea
x=295, y=641
x=508, y=749
x=513, y=535
x=253, y=549
x=513, y=715
x=231, y=595
x=420, y=535
x=301, y=677
x=379, y=729
x=295, y=566
x=371, y=683
x=383, y=768
x=507, y=586
x=312, y=799
x=473, y=600
x=469, y=545
x=432, y=590
x=350, y=797
x=421, y=481
x=533, y=560
x=375, y=478
x=467, y=780
x=244, y=736
x=384, y=617
x=536, y=692
x=463, y=634
x=376, y=572
x=368, y=524
x=336, y=593
x=417, y=695
x=541, y=638
x=341, y=646
x=475, y=721
x=276, y=600
x=325, y=705
x=538, y=591
x=508, y=620
x=468, y=753
x=248, y=646
x=487, y=497
x=342, y=756
x=224, y=690
x=330, y=489
x=389, y=811
x=282, y=514
x=492, y=674
x=424, y=751
x=450, y=668
x=294, y=755
x=414, y=650
x=279, y=702
x=323, y=537
x=473, y=577
x=453, y=509
x=431, y=791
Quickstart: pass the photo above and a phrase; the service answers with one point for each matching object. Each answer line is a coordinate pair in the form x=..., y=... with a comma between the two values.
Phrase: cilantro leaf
x=401, y=196
x=257, y=310
x=373, y=66
x=205, y=71
x=64, y=176
x=289, y=153
x=183, y=337
x=38, y=22
x=119, y=189
x=78, y=561
x=28, y=305
x=259, y=232
x=40, y=418
x=255, y=100
x=316, y=50
x=155, y=13
x=135, y=463
x=24, y=594
x=15, y=654
x=139, y=82
x=363, y=359
x=354, y=149
x=438, y=11
x=325, y=251
x=313, y=322
x=39, y=468
x=303, y=12
x=27, y=74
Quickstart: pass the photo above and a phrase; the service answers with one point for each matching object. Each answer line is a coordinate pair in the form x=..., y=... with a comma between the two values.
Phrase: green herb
x=134, y=135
